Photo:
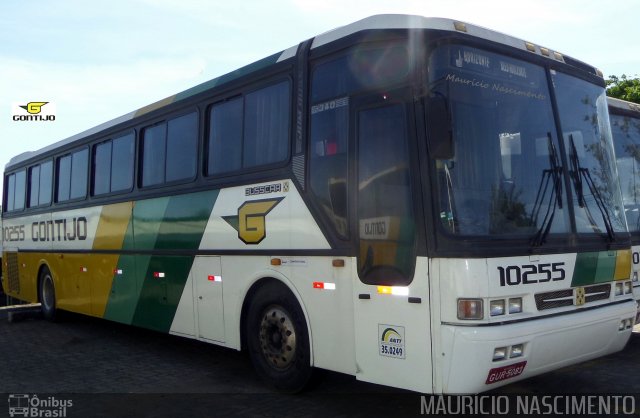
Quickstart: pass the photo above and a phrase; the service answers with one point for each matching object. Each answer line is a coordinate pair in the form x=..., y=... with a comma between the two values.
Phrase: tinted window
x=16, y=190
x=225, y=137
x=21, y=178
x=79, y=167
x=34, y=186
x=11, y=190
x=182, y=147
x=153, y=154
x=359, y=70
x=40, y=184
x=46, y=181
x=122, y=152
x=170, y=150
x=113, y=165
x=64, y=178
x=72, y=175
x=250, y=131
x=386, y=227
x=328, y=162
x=266, y=125
x=102, y=168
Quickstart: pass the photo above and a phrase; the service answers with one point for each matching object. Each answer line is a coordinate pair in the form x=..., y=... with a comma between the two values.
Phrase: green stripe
x=181, y=227
x=167, y=223
x=594, y=267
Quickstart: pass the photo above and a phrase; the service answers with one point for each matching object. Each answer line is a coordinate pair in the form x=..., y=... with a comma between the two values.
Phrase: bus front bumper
x=530, y=347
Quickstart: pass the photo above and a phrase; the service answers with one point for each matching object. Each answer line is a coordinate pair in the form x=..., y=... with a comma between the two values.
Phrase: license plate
x=505, y=372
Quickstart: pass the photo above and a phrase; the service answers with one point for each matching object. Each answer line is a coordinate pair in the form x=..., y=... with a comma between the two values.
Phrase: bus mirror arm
x=439, y=132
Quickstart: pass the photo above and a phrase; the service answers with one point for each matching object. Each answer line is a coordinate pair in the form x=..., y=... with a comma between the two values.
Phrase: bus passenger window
x=15, y=193
x=266, y=125
x=113, y=165
x=225, y=137
x=40, y=184
x=170, y=150
x=72, y=176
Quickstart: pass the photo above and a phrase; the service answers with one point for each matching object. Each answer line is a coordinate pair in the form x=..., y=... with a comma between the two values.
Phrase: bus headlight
x=496, y=307
x=619, y=289
x=628, y=288
x=470, y=309
x=499, y=353
x=515, y=305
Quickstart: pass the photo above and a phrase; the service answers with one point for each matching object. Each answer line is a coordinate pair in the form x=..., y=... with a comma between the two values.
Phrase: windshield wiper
x=553, y=176
x=579, y=173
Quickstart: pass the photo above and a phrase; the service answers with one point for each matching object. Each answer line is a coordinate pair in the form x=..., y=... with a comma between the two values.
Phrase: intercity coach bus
x=419, y=202
x=625, y=128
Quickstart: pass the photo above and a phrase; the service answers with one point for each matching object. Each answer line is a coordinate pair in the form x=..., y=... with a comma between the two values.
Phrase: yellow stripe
x=112, y=227
x=154, y=106
x=623, y=265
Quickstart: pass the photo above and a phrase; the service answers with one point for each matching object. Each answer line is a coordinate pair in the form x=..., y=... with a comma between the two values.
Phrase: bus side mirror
x=439, y=134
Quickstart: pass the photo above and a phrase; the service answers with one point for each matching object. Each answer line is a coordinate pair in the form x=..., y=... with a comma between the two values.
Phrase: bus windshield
x=626, y=134
x=506, y=176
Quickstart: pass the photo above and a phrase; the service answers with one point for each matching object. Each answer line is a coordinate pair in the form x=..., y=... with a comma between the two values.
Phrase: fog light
x=629, y=323
x=516, y=350
x=499, y=353
x=619, y=289
x=622, y=325
x=515, y=305
x=496, y=307
x=470, y=309
x=627, y=287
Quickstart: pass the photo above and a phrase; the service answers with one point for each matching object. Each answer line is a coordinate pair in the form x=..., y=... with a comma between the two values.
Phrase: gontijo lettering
x=60, y=230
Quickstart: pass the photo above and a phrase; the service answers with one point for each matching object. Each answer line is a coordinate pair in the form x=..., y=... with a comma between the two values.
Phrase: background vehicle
x=418, y=202
x=625, y=127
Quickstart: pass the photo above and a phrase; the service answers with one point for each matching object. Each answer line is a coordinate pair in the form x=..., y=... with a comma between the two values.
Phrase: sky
x=102, y=59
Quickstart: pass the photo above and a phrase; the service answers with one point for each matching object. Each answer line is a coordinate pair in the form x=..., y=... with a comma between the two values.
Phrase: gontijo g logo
x=33, y=111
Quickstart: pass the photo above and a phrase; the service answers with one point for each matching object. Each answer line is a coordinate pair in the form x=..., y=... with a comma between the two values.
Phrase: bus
x=625, y=126
x=418, y=202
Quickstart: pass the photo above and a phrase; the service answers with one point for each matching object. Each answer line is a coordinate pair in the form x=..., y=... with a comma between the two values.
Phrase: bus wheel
x=47, y=295
x=278, y=339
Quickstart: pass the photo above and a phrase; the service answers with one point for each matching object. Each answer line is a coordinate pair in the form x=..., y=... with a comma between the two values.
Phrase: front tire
x=47, y=295
x=278, y=339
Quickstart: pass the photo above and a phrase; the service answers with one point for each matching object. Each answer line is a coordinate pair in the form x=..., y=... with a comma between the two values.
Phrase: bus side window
x=15, y=193
x=328, y=163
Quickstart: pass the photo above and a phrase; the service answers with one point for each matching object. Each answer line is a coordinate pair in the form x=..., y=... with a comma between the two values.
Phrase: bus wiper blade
x=553, y=176
x=578, y=174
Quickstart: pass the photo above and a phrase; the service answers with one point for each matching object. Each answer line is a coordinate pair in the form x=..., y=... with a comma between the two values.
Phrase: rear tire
x=47, y=295
x=278, y=339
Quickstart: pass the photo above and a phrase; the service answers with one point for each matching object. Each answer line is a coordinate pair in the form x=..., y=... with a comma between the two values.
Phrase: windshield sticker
x=468, y=57
x=513, y=69
x=330, y=105
x=498, y=87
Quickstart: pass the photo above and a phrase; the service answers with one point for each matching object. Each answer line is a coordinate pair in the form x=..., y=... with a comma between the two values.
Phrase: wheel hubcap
x=277, y=337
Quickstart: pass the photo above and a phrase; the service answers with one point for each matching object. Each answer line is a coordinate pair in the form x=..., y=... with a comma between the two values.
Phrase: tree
x=624, y=88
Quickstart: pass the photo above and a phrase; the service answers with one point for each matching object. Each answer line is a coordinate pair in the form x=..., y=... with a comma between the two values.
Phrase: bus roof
x=384, y=21
x=623, y=105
